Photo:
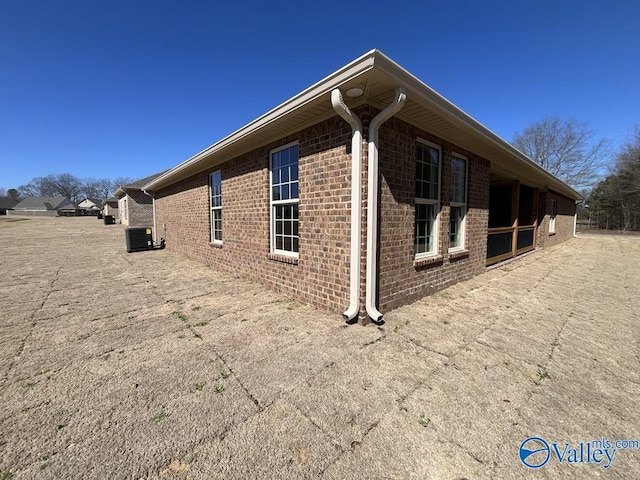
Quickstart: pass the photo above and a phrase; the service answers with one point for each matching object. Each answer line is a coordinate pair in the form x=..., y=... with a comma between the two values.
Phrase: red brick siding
x=400, y=280
x=136, y=209
x=321, y=276
x=566, y=209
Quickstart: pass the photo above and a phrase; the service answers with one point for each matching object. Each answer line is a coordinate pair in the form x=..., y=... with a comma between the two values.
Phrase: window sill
x=458, y=254
x=215, y=244
x=551, y=234
x=428, y=261
x=283, y=258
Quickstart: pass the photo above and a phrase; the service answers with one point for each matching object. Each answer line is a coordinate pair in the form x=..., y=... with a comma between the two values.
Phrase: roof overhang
x=378, y=77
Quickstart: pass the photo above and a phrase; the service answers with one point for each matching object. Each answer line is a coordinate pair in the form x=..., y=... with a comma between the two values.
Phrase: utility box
x=109, y=220
x=139, y=239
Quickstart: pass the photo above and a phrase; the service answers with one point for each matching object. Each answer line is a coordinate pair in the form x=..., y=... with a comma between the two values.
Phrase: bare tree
x=566, y=149
x=67, y=185
x=13, y=194
x=38, y=187
x=3, y=192
x=120, y=181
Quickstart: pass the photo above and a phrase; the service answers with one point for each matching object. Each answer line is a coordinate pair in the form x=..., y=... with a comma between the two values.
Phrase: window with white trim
x=458, y=204
x=552, y=217
x=284, y=200
x=215, y=188
x=427, y=203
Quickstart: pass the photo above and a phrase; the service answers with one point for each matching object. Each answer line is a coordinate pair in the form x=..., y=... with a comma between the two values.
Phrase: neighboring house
x=44, y=206
x=362, y=193
x=90, y=206
x=6, y=203
x=110, y=207
x=135, y=207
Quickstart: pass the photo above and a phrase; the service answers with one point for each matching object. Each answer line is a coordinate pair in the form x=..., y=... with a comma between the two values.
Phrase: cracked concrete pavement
x=150, y=365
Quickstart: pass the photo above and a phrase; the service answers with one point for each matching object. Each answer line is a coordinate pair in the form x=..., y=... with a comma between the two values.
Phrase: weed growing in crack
x=244, y=320
x=30, y=384
x=197, y=387
x=6, y=475
x=219, y=388
x=202, y=324
x=224, y=375
x=195, y=308
x=543, y=374
x=353, y=422
x=161, y=415
x=180, y=316
x=424, y=421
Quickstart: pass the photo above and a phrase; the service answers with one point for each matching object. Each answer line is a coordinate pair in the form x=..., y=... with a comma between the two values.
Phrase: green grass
x=201, y=324
x=197, y=387
x=161, y=415
x=224, y=375
x=424, y=421
x=6, y=475
x=180, y=316
x=219, y=388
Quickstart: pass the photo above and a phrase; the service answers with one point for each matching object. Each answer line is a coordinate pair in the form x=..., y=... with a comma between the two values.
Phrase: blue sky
x=128, y=88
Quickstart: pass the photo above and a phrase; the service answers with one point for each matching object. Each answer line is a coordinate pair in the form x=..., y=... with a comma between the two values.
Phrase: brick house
x=285, y=200
x=135, y=206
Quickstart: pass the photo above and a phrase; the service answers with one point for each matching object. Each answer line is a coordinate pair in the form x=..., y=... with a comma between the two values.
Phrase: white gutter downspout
x=372, y=203
x=356, y=202
x=153, y=208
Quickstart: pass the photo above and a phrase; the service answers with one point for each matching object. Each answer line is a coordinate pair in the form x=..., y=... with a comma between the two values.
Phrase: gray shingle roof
x=7, y=202
x=45, y=203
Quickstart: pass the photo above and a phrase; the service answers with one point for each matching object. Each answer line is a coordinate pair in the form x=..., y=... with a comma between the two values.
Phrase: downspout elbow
x=356, y=202
x=372, y=203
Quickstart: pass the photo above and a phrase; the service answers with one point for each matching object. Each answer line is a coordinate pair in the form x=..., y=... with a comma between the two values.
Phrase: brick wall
x=136, y=209
x=320, y=277
x=566, y=209
x=401, y=279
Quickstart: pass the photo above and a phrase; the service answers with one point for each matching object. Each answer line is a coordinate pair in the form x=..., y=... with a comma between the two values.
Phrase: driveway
x=150, y=365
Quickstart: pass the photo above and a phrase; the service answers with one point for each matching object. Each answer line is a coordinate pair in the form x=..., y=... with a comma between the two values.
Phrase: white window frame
x=215, y=208
x=463, y=223
x=274, y=203
x=435, y=232
x=552, y=216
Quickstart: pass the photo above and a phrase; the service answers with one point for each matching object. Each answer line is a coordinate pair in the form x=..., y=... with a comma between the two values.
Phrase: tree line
x=609, y=181
x=614, y=203
x=70, y=186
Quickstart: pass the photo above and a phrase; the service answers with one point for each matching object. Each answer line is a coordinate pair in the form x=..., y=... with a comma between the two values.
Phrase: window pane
x=294, y=190
x=284, y=190
x=295, y=228
x=279, y=211
x=295, y=211
x=275, y=161
x=284, y=157
x=284, y=174
x=287, y=244
x=458, y=179
x=427, y=172
x=295, y=244
x=279, y=228
x=279, y=242
x=287, y=228
x=276, y=193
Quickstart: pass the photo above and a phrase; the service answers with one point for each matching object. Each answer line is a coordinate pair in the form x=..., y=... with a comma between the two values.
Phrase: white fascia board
x=348, y=72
